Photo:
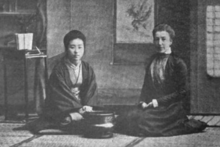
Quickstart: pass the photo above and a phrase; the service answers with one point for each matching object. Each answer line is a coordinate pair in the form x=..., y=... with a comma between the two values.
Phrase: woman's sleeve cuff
x=155, y=103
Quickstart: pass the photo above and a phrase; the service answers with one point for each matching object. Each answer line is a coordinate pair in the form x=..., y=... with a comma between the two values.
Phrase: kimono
x=170, y=91
x=60, y=100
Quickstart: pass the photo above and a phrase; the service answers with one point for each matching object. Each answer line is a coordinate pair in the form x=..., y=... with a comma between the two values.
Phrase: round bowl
x=98, y=124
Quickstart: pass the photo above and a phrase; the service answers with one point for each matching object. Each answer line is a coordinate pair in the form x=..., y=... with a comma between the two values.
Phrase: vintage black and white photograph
x=109, y=73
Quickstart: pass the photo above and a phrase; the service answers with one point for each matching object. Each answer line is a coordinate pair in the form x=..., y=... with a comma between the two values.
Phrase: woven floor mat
x=12, y=136
x=79, y=141
x=211, y=120
x=9, y=136
x=208, y=138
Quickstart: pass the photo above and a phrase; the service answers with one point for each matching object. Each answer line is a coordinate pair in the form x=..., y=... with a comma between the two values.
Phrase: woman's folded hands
x=153, y=103
x=144, y=105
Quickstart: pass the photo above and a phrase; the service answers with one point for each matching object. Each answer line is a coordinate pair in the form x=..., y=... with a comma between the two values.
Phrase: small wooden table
x=12, y=53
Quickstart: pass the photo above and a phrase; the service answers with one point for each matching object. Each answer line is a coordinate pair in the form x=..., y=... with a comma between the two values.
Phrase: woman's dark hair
x=74, y=34
x=164, y=27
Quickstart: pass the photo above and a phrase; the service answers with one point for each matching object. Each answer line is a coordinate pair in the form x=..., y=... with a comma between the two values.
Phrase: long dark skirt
x=161, y=121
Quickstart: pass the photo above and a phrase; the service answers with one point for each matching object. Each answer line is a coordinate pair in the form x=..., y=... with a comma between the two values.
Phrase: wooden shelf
x=17, y=13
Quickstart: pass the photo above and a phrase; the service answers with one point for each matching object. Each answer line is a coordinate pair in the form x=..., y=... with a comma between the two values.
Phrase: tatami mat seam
x=26, y=140
x=135, y=142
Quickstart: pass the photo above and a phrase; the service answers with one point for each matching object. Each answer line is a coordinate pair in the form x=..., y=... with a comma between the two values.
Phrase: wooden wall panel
x=58, y=24
x=205, y=89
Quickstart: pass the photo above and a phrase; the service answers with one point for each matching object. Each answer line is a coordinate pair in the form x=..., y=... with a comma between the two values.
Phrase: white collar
x=73, y=66
x=169, y=51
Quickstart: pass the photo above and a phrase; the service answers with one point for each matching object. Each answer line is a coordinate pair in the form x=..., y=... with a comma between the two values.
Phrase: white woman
x=160, y=111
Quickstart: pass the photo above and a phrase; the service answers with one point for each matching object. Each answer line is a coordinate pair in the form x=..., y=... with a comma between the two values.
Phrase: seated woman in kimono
x=160, y=111
x=71, y=86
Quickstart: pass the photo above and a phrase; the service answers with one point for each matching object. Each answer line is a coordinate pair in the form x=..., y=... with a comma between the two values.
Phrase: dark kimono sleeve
x=60, y=100
x=89, y=88
x=180, y=80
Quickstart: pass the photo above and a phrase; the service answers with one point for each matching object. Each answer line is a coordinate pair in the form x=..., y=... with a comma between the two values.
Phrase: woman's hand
x=85, y=109
x=73, y=116
x=145, y=105
x=67, y=120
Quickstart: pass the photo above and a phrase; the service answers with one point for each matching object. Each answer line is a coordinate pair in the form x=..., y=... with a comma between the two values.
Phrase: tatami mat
x=78, y=141
x=10, y=137
x=211, y=120
x=209, y=138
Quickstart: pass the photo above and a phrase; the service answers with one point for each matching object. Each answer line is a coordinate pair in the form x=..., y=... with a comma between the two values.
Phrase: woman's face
x=162, y=41
x=75, y=50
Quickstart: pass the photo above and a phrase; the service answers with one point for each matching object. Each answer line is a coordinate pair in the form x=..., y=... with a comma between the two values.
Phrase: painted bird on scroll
x=140, y=13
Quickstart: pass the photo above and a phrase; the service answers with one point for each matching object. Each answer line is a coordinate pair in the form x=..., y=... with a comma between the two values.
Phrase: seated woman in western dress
x=160, y=111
